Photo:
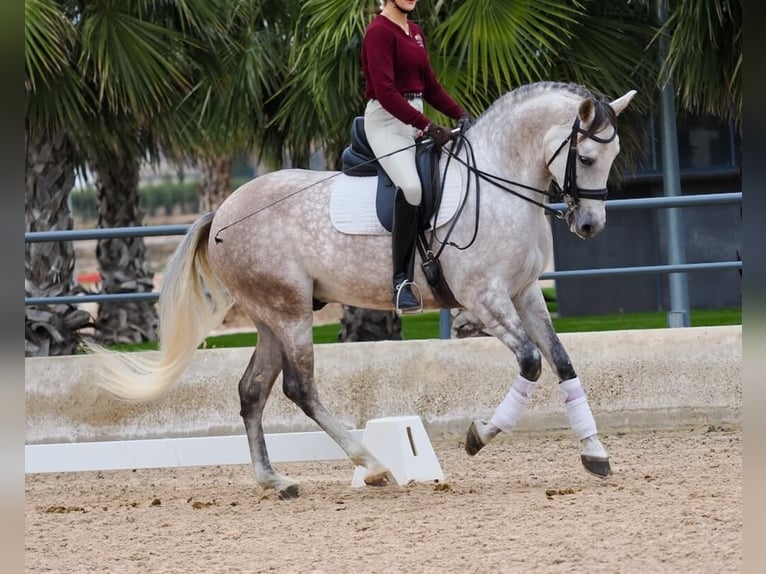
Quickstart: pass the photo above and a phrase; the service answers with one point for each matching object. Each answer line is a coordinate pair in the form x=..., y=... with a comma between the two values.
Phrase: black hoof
x=596, y=466
x=289, y=493
x=473, y=443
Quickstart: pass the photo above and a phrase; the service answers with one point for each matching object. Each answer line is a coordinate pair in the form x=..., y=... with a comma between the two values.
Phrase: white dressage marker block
x=402, y=444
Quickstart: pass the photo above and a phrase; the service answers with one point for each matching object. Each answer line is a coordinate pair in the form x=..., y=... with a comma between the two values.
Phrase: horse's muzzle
x=584, y=224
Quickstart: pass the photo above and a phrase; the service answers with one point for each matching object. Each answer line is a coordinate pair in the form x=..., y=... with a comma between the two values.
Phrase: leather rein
x=570, y=193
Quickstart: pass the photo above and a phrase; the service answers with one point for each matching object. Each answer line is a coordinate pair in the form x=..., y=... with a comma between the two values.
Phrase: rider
x=399, y=78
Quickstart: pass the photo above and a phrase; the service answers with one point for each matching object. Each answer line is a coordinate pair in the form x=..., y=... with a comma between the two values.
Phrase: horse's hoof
x=382, y=478
x=596, y=466
x=289, y=492
x=473, y=442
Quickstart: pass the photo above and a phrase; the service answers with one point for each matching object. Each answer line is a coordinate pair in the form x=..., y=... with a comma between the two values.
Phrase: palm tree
x=105, y=83
x=230, y=103
x=704, y=57
x=55, y=100
x=142, y=59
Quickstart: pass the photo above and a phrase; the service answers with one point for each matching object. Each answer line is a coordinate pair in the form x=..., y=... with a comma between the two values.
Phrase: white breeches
x=386, y=134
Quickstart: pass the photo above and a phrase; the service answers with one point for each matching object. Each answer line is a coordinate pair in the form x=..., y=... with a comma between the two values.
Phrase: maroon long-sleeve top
x=394, y=64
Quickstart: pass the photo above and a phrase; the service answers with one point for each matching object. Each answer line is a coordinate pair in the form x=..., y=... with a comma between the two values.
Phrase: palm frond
x=48, y=41
x=497, y=46
x=56, y=97
x=134, y=64
x=704, y=57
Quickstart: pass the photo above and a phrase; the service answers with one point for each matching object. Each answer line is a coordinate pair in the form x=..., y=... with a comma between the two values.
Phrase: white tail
x=192, y=302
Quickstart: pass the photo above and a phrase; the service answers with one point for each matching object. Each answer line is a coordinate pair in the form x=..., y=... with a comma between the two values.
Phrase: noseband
x=570, y=192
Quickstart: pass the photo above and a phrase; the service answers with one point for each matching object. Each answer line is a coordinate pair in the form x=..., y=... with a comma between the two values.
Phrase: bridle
x=570, y=188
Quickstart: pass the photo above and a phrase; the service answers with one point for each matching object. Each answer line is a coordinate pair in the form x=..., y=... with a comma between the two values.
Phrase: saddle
x=358, y=159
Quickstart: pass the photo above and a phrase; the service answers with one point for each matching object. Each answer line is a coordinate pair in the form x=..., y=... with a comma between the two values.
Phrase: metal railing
x=614, y=204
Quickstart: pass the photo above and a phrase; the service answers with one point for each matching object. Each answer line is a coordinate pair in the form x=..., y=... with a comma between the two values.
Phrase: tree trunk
x=123, y=261
x=369, y=325
x=49, y=266
x=215, y=184
x=466, y=324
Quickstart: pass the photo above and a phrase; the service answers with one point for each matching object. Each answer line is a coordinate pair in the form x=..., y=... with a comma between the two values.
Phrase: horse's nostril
x=587, y=230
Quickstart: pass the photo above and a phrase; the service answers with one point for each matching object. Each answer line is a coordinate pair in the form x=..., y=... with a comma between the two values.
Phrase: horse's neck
x=509, y=140
x=505, y=163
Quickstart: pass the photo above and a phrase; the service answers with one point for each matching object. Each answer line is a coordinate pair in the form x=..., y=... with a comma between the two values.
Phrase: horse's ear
x=587, y=111
x=621, y=103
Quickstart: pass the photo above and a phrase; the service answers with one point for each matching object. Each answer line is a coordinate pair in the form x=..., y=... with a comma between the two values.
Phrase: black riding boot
x=404, y=233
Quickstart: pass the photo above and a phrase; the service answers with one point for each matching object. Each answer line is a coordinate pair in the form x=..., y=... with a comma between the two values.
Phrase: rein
x=494, y=180
x=570, y=193
x=569, y=190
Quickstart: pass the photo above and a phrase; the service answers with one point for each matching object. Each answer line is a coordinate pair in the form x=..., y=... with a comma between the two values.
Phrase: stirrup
x=408, y=310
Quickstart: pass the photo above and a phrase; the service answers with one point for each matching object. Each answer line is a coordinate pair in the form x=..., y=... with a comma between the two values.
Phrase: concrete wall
x=648, y=379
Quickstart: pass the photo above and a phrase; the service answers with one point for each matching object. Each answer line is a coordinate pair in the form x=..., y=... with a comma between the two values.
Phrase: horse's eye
x=585, y=160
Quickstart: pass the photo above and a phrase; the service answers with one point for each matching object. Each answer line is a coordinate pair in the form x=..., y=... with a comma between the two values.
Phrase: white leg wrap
x=508, y=412
x=571, y=389
x=580, y=416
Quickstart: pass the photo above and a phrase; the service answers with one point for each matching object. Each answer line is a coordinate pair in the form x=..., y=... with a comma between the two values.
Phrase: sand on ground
x=523, y=504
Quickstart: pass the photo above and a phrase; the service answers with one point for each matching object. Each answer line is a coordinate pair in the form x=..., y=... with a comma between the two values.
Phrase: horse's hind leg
x=254, y=388
x=299, y=386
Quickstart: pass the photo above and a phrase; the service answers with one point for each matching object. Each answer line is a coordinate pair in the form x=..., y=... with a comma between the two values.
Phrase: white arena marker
x=402, y=444
x=177, y=452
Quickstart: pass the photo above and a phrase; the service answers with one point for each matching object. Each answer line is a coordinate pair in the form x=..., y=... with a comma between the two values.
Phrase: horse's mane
x=604, y=113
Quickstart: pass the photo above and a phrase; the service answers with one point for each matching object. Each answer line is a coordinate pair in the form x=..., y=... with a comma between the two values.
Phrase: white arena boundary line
x=177, y=452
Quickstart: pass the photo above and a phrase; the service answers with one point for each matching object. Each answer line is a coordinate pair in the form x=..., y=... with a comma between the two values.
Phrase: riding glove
x=439, y=134
x=464, y=122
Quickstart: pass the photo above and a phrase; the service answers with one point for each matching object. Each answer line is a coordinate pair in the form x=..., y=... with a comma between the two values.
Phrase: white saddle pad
x=352, y=204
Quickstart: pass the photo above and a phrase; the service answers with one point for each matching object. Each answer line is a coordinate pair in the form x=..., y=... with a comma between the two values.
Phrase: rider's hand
x=439, y=134
x=464, y=122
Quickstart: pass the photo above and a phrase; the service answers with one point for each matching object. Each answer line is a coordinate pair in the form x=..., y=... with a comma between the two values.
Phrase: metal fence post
x=678, y=316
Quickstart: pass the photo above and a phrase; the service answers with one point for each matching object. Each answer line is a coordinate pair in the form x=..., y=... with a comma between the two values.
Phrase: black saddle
x=358, y=159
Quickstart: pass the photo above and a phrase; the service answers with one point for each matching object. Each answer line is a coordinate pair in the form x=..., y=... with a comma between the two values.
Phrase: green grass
x=426, y=326
x=654, y=320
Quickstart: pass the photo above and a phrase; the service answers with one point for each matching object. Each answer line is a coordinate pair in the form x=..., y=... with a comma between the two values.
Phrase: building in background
x=710, y=161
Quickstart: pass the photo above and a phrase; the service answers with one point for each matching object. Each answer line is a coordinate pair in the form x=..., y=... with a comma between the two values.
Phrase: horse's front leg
x=496, y=312
x=524, y=325
x=534, y=315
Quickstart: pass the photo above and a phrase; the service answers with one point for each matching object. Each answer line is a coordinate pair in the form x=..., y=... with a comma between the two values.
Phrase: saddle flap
x=359, y=138
x=427, y=160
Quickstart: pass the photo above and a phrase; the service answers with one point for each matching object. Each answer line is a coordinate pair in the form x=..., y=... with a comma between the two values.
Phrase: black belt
x=412, y=95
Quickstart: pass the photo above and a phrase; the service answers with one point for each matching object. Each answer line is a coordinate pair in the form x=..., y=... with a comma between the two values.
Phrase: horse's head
x=580, y=164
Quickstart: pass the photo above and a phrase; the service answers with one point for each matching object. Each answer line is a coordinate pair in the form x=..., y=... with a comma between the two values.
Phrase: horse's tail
x=192, y=302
